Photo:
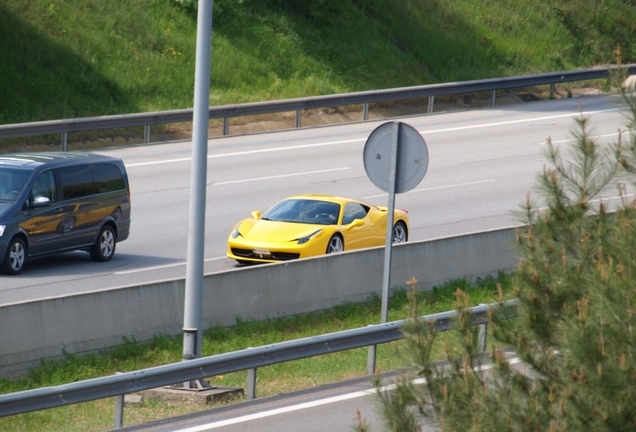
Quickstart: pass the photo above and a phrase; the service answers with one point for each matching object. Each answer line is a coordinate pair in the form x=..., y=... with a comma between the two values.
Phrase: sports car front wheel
x=400, y=234
x=335, y=244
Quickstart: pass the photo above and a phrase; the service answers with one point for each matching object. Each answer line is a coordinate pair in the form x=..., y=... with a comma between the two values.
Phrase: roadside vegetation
x=272, y=380
x=574, y=333
x=67, y=59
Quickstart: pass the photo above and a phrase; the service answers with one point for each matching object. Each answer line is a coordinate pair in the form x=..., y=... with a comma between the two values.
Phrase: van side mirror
x=41, y=201
x=256, y=215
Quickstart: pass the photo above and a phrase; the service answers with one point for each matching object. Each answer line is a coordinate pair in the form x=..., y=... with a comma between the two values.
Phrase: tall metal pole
x=193, y=312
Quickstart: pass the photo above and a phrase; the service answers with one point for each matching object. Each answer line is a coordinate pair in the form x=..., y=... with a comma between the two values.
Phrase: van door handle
x=58, y=210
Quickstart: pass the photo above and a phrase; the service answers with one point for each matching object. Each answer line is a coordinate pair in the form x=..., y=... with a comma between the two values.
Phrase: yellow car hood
x=274, y=231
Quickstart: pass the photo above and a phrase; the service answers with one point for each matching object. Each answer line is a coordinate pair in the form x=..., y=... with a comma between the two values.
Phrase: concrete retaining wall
x=86, y=322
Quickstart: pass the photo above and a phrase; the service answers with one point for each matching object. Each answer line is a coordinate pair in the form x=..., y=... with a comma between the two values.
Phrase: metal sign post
x=389, y=223
x=395, y=159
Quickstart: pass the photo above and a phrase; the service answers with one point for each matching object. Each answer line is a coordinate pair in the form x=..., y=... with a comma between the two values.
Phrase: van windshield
x=12, y=181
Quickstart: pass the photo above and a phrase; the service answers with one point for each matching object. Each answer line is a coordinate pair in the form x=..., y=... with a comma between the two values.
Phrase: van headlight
x=2, y=228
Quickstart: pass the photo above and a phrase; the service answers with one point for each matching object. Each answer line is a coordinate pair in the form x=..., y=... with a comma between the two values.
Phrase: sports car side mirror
x=355, y=223
x=256, y=215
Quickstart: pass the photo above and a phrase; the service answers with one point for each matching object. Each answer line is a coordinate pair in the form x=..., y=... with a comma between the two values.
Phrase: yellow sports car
x=309, y=225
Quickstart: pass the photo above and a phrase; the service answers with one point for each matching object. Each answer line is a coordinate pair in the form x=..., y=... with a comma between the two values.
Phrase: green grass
x=275, y=379
x=66, y=59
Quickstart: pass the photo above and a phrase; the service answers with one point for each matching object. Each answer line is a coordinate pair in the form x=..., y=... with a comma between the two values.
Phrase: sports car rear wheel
x=335, y=244
x=400, y=235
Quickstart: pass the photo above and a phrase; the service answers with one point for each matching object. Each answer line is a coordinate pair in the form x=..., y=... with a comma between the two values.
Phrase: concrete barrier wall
x=86, y=322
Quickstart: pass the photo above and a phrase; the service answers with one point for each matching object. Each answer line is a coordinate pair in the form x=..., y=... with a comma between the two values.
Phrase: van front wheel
x=104, y=247
x=15, y=259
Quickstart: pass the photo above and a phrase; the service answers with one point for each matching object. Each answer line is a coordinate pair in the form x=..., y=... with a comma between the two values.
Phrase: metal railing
x=298, y=105
x=248, y=359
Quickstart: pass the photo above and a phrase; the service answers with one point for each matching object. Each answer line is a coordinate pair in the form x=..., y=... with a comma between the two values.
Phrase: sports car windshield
x=304, y=211
x=12, y=182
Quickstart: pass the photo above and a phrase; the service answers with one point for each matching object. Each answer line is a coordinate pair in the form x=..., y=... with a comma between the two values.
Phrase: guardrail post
x=371, y=359
x=493, y=98
x=64, y=141
x=226, y=126
x=251, y=384
x=482, y=335
x=297, y=118
x=431, y=101
x=552, y=91
x=119, y=409
x=146, y=134
x=365, y=112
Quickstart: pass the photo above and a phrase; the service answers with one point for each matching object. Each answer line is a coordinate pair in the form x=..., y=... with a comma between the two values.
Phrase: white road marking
x=296, y=147
x=301, y=406
x=275, y=149
x=593, y=136
x=188, y=159
x=435, y=188
x=288, y=409
x=280, y=176
x=139, y=270
x=521, y=121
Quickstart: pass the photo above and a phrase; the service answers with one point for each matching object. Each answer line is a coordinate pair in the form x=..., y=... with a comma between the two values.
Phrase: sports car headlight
x=236, y=232
x=2, y=228
x=305, y=239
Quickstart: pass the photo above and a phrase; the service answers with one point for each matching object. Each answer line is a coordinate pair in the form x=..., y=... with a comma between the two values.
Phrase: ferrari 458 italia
x=310, y=225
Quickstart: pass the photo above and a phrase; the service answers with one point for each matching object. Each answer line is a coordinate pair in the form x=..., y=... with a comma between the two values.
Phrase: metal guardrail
x=247, y=359
x=365, y=98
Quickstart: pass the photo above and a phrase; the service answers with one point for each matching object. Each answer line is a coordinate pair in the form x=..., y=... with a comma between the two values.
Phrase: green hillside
x=76, y=58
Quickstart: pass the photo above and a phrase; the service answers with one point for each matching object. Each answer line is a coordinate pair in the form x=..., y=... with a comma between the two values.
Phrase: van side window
x=44, y=186
x=108, y=178
x=77, y=181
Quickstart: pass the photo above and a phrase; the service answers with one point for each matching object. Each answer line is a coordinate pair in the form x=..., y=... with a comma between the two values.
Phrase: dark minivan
x=55, y=202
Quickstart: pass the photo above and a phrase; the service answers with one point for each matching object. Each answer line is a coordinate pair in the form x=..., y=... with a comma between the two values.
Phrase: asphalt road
x=482, y=164
x=332, y=408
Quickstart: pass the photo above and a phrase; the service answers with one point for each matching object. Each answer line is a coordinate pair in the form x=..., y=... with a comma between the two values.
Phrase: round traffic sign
x=411, y=162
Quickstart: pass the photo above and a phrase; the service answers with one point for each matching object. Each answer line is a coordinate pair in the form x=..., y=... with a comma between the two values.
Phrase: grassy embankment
x=284, y=377
x=66, y=59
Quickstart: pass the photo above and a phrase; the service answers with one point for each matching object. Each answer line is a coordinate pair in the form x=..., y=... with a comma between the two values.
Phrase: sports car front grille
x=247, y=253
x=284, y=256
x=279, y=256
